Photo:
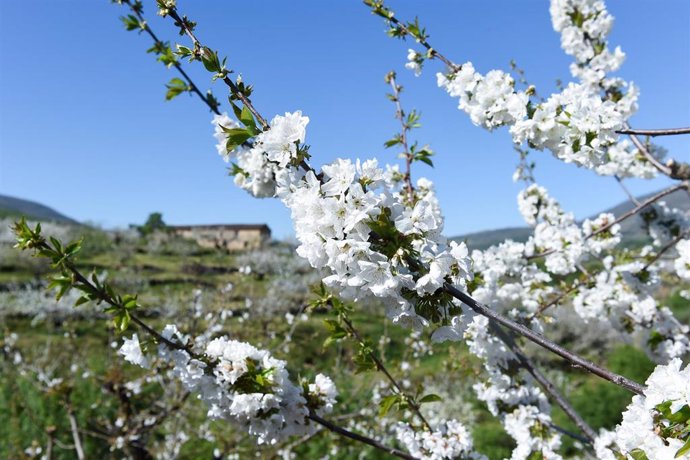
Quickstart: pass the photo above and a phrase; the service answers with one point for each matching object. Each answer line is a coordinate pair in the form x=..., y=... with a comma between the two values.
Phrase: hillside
x=631, y=228
x=17, y=207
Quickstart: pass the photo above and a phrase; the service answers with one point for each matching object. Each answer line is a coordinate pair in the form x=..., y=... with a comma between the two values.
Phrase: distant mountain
x=631, y=228
x=17, y=207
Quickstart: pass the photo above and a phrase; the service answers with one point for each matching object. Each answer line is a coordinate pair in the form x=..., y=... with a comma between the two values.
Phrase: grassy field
x=80, y=351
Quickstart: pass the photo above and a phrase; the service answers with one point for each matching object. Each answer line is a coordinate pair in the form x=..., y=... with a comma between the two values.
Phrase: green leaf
x=176, y=87
x=184, y=51
x=395, y=141
x=330, y=340
x=124, y=321
x=62, y=283
x=683, y=450
x=235, y=170
x=131, y=304
x=210, y=60
x=74, y=247
x=387, y=404
x=363, y=360
x=430, y=398
x=638, y=454
x=131, y=22
x=427, y=160
x=332, y=325
x=248, y=120
x=81, y=300
x=56, y=244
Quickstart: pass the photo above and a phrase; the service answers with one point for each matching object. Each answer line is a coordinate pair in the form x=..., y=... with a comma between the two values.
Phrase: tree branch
x=540, y=340
x=75, y=433
x=360, y=438
x=233, y=87
x=672, y=168
x=176, y=64
x=655, y=132
x=683, y=185
x=545, y=383
x=631, y=197
x=666, y=247
x=404, y=128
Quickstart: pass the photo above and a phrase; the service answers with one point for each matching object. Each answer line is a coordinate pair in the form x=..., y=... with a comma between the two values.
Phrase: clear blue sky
x=84, y=126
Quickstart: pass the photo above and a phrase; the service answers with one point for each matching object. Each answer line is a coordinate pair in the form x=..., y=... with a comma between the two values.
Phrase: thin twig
x=75, y=433
x=662, y=168
x=575, y=436
x=631, y=197
x=622, y=217
x=672, y=168
x=556, y=300
x=432, y=51
x=666, y=247
x=655, y=132
x=233, y=87
x=400, y=115
x=542, y=341
x=358, y=437
x=50, y=431
x=103, y=296
x=381, y=367
x=176, y=64
x=638, y=208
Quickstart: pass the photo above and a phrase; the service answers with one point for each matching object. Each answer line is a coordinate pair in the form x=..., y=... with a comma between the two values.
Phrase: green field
x=78, y=349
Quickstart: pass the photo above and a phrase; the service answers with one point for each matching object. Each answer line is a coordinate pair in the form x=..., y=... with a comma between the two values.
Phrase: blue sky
x=84, y=126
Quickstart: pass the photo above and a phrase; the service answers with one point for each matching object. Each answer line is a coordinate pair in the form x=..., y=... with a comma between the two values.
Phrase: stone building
x=232, y=237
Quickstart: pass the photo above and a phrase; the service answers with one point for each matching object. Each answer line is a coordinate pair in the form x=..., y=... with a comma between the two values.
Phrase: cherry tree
x=375, y=235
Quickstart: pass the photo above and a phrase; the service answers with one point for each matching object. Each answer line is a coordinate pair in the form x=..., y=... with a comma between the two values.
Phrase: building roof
x=260, y=227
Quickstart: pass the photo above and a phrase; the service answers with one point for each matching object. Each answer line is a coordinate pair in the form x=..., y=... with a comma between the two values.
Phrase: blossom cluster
x=621, y=293
x=374, y=242
x=490, y=100
x=654, y=424
x=682, y=263
x=353, y=220
x=579, y=124
x=243, y=384
x=584, y=26
x=257, y=166
x=521, y=406
x=449, y=440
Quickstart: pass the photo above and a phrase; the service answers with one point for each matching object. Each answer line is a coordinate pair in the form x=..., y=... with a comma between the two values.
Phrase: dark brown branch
x=655, y=132
x=672, y=168
x=453, y=66
x=639, y=208
x=542, y=341
x=622, y=217
x=360, y=438
x=662, y=168
x=545, y=383
x=233, y=87
x=176, y=64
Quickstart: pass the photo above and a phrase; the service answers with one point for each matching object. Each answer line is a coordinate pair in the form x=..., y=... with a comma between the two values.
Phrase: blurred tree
x=153, y=223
